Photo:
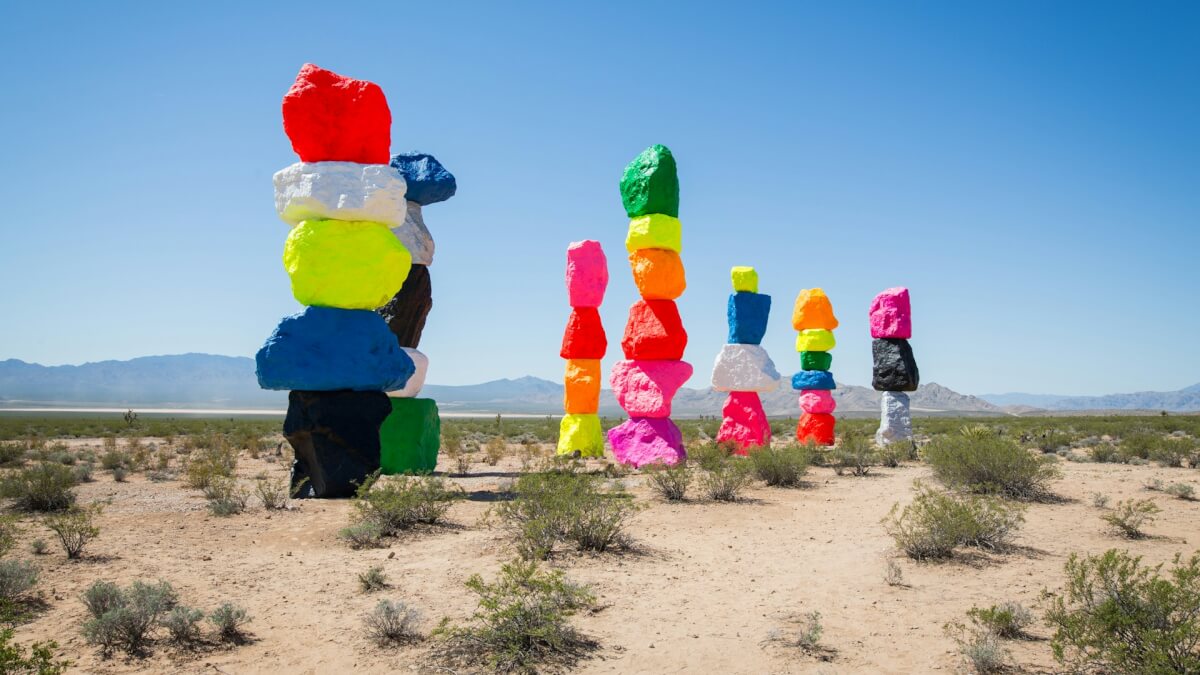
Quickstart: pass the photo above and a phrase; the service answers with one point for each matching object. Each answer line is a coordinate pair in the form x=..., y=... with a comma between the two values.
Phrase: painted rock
x=645, y=388
x=658, y=273
x=747, y=316
x=581, y=394
x=584, y=337
x=813, y=310
x=339, y=191
x=348, y=264
x=817, y=401
x=895, y=368
x=815, y=340
x=743, y=422
x=745, y=279
x=639, y=441
x=816, y=428
x=580, y=434
x=650, y=183
x=744, y=368
x=654, y=231
x=405, y=313
x=428, y=181
x=895, y=420
x=335, y=435
x=410, y=437
x=816, y=360
x=654, y=332
x=333, y=118
x=421, y=369
x=587, y=273
x=415, y=236
x=891, y=314
x=323, y=349
x=813, y=379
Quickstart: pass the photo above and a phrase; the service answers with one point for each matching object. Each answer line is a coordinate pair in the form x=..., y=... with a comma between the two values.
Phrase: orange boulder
x=813, y=311
x=582, y=391
x=658, y=273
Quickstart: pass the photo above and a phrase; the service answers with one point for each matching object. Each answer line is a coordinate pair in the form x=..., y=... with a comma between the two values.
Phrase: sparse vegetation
x=230, y=621
x=40, y=660
x=123, y=618
x=853, y=454
x=392, y=622
x=566, y=506
x=893, y=574
x=670, y=482
x=44, y=486
x=182, y=624
x=1129, y=517
x=401, y=502
x=936, y=523
x=17, y=577
x=272, y=492
x=74, y=528
x=372, y=580
x=226, y=496
x=726, y=477
x=980, y=461
x=981, y=649
x=1007, y=619
x=781, y=467
x=206, y=464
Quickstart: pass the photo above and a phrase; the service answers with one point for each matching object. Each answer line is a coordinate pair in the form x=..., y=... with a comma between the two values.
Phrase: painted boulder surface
x=580, y=433
x=654, y=231
x=816, y=428
x=813, y=311
x=895, y=367
x=747, y=315
x=815, y=360
x=344, y=263
x=895, y=420
x=744, y=423
x=658, y=273
x=639, y=441
x=650, y=184
x=584, y=344
x=813, y=379
x=406, y=311
x=584, y=336
x=654, y=332
x=817, y=401
x=335, y=435
x=415, y=236
x=428, y=181
x=417, y=381
x=744, y=368
x=340, y=191
x=815, y=340
x=587, y=273
x=410, y=436
x=891, y=314
x=744, y=279
x=324, y=349
x=330, y=117
x=646, y=388
x=581, y=386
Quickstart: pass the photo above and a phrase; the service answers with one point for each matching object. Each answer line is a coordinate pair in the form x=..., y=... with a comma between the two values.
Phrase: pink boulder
x=745, y=423
x=645, y=388
x=587, y=273
x=891, y=314
x=817, y=401
x=639, y=441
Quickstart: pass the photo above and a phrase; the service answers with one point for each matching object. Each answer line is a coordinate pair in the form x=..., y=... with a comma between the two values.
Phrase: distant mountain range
x=209, y=381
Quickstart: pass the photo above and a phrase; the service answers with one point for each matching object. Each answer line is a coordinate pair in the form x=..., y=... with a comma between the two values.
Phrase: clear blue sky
x=1031, y=170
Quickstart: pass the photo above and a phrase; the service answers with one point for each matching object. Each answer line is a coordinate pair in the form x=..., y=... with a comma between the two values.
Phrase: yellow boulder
x=656, y=230
x=813, y=310
x=347, y=264
x=580, y=433
x=745, y=279
x=815, y=340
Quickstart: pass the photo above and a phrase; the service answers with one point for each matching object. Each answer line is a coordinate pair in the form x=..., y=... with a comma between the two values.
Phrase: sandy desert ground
x=707, y=586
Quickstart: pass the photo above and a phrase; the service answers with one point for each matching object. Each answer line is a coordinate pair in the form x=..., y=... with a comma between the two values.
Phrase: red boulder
x=816, y=427
x=654, y=332
x=332, y=118
x=584, y=337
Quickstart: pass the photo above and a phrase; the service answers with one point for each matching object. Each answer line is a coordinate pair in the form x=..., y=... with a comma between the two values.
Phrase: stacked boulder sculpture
x=894, y=370
x=743, y=368
x=646, y=381
x=583, y=345
x=815, y=322
x=345, y=258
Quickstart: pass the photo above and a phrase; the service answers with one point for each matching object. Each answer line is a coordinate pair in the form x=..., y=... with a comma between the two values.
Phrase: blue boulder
x=813, y=379
x=327, y=349
x=428, y=181
x=747, y=313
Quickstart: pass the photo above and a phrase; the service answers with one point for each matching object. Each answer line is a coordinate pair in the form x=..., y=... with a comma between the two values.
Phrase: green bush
x=226, y=497
x=781, y=467
x=123, y=619
x=521, y=623
x=400, y=502
x=671, y=482
x=990, y=464
x=936, y=523
x=39, y=662
x=1106, y=453
x=365, y=534
x=1116, y=615
x=74, y=528
x=42, y=487
x=12, y=454
x=725, y=479
x=182, y=624
x=273, y=492
x=1007, y=620
x=372, y=580
x=853, y=454
x=17, y=577
x=567, y=506
x=1128, y=517
x=392, y=622
x=230, y=622
x=209, y=463
x=1171, y=451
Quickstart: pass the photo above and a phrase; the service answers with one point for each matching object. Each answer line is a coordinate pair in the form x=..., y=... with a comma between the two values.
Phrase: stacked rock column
x=814, y=320
x=894, y=370
x=584, y=344
x=337, y=356
x=411, y=435
x=653, y=344
x=743, y=368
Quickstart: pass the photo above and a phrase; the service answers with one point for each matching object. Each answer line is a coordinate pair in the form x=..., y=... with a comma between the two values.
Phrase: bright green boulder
x=815, y=360
x=410, y=437
x=650, y=183
x=346, y=264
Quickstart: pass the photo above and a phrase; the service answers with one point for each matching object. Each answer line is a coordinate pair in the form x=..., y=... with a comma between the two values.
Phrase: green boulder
x=815, y=360
x=410, y=437
x=650, y=184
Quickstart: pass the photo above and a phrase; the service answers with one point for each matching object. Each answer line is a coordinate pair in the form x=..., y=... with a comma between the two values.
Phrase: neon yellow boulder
x=580, y=433
x=815, y=340
x=656, y=230
x=348, y=264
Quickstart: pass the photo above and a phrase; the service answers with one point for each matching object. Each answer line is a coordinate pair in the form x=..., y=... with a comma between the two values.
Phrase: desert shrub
x=404, y=501
x=990, y=464
x=230, y=622
x=39, y=662
x=119, y=474
x=114, y=459
x=372, y=580
x=1116, y=615
x=1172, y=451
x=1185, y=491
x=495, y=450
x=1138, y=445
x=1052, y=440
x=207, y=464
x=182, y=624
x=725, y=480
x=670, y=482
x=936, y=523
x=365, y=534
x=272, y=492
x=11, y=454
x=708, y=456
x=39, y=546
x=980, y=648
x=74, y=528
x=1007, y=620
x=780, y=467
x=1129, y=517
x=853, y=454
x=42, y=487
x=226, y=497
x=9, y=528
x=1099, y=500
x=521, y=622
x=17, y=577
x=566, y=506
x=122, y=618
x=82, y=473
x=1106, y=453
x=893, y=574
x=804, y=632
x=392, y=622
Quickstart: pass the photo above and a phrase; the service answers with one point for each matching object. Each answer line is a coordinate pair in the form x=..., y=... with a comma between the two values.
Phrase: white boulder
x=415, y=236
x=340, y=191
x=895, y=420
x=744, y=368
x=413, y=387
